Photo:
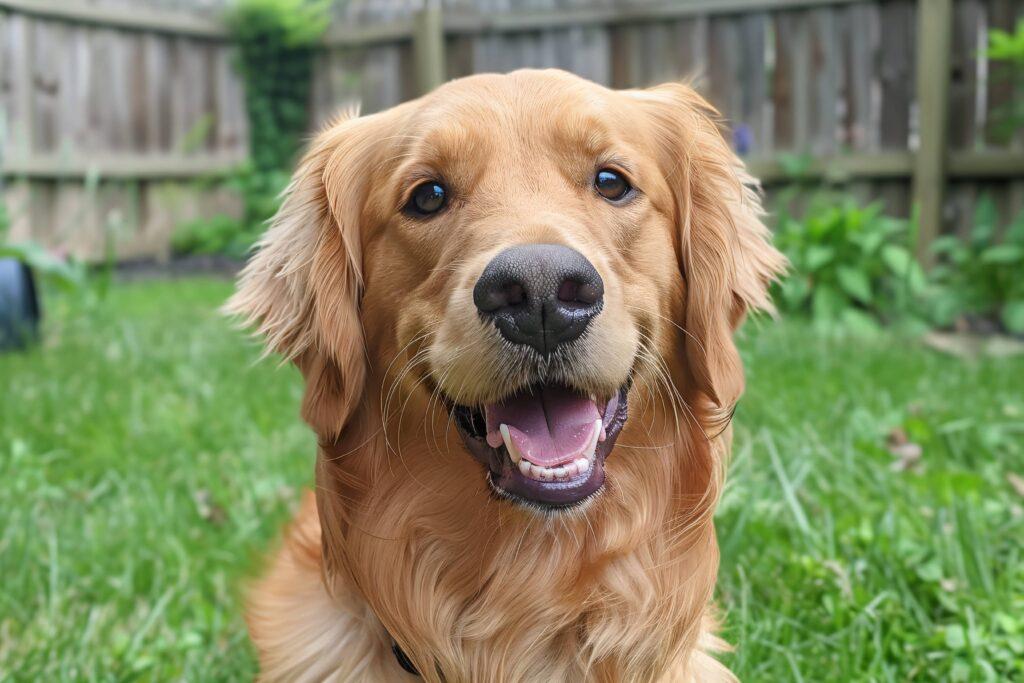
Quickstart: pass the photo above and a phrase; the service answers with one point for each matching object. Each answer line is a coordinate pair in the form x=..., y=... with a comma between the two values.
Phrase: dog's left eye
x=611, y=185
x=429, y=197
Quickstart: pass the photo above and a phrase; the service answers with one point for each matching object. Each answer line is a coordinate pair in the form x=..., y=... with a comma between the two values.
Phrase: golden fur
x=405, y=539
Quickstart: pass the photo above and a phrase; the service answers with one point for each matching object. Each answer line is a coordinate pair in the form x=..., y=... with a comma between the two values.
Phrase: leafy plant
x=228, y=235
x=1006, y=49
x=850, y=265
x=276, y=42
x=980, y=276
x=64, y=274
x=219, y=234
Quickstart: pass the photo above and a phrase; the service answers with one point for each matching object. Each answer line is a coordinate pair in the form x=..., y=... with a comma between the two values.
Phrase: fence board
x=48, y=42
x=896, y=71
x=825, y=76
x=692, y=53
x=752, y=81
x=19, y=36
x=860, y=37
x=791, y=81
x=819, y=76
x=723, y=87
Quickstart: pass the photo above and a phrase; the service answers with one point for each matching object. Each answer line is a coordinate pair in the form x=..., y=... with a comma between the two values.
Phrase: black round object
x=19, y=305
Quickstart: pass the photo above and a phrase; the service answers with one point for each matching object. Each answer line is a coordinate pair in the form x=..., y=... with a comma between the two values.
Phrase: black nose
x=543, y=295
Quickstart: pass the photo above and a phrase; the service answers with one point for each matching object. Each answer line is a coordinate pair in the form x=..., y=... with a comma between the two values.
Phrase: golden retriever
x=512, y=301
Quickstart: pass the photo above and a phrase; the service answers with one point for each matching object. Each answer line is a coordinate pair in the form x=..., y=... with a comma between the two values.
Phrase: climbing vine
x=276, y=42
x=275, y=46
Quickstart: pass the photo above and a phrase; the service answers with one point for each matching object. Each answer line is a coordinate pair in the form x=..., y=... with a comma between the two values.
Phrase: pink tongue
x=549, y=427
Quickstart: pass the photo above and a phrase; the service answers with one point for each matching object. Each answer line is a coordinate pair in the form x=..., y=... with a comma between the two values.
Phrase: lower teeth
x=577, y=467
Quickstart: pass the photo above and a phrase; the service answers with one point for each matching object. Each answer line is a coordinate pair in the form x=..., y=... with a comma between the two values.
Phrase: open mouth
x=545, y=444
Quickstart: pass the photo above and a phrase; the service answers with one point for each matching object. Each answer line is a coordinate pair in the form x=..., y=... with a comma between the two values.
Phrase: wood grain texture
x=81, y=94
x=935, y=26
x=896, y=67
x=859, y=31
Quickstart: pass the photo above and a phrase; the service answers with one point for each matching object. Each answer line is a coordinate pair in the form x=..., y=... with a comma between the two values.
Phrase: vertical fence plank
x=966, y=119
x=49, y=41
x=860, y=38
x=428, y=48
x=6, y=83
x=136, y=84
x=723, y=67
x=156, y=55
x=459, y=56
x=963, y=114
x=231, y=133
x=753, y=83
x=692, y=51
x=21, y=36
x=896, y=72
x=825, y=80
x=935, y=25
x=590, y=54
x=791, y=81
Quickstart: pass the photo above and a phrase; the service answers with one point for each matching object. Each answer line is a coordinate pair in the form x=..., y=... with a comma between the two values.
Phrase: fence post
x=428, y=47
x=934, y=36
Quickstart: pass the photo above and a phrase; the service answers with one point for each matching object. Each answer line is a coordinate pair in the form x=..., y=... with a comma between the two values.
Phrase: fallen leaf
x=960, y=344
x=1017, y=482
x=897, y=437
x=907, y=453
x=972, y=345
x=207, y=508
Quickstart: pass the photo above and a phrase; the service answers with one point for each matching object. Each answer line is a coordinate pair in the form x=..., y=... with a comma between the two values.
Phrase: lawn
x=146, y=460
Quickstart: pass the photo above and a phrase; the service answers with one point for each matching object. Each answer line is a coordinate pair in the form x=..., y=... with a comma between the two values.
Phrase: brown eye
x=429, y=197
x=611, y=185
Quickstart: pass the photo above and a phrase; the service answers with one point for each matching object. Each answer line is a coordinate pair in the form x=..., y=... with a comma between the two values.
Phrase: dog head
x=519, y=259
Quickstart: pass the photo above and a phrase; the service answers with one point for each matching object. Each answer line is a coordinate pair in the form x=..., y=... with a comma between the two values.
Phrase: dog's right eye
x=427, y=198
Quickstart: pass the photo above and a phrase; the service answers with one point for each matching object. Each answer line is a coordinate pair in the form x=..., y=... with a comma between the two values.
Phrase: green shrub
x=1006, y=52
x=850, y=265
x=222, y=234
x=64, y=274
x=276, y=41
x=979, y=275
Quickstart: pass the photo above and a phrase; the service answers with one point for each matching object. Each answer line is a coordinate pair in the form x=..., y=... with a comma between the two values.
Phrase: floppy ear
x=301, y=289
x=724, y=248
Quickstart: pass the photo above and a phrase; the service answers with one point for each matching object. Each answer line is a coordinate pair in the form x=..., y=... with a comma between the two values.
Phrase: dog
x=513, y=303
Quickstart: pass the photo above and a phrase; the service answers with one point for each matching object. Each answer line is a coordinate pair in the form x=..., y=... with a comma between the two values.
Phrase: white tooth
x=571, y=470
x=542, y=473
x=582, y=465
x=593, y=398
x=524, y=467
x=513, y=452
x=592, y=445
x=559, y=472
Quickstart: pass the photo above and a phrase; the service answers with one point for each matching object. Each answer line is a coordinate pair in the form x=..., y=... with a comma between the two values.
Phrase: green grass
x=146, y=461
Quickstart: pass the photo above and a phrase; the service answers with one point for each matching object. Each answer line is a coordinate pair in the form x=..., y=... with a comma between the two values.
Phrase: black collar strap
x=403, y=659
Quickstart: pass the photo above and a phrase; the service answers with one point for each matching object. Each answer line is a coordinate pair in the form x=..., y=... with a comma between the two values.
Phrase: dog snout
x=540, y=295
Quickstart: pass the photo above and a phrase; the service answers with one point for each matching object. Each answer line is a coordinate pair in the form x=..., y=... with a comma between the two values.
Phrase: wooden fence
x=111, y=114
